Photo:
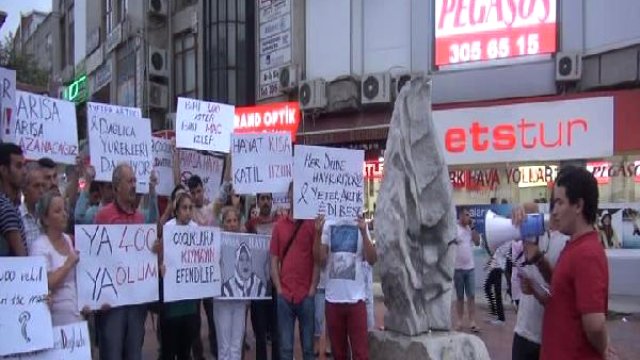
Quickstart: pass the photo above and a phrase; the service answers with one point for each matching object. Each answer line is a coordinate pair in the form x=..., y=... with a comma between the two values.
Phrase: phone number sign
x=488, y=30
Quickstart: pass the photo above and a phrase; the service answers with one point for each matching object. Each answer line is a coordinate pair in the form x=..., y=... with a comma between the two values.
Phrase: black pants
x=524, y=349
x=262, y=321
x=178, y=334
x=198, y=351
x=493, y=292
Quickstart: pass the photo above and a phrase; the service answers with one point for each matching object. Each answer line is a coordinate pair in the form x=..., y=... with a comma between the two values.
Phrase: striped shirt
x=31, y=226
x=9, y=221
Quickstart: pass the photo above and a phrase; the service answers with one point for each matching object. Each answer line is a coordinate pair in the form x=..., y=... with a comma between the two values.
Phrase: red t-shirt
x=579, y=286
x=296, y=271
x=113, y=214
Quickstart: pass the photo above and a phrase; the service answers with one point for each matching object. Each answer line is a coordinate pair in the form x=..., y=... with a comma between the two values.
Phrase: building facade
x=549, y=62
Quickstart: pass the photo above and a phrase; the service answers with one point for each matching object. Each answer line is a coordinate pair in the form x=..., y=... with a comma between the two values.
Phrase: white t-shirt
x=464, y=251
x=173, y=222
x=64, y=299
x=530, y=311
x=345, y=278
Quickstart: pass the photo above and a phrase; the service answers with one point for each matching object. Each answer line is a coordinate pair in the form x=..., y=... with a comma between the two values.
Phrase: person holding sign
x=341, y=248
x=85, y=212
x=13, y=240
x=230, y=315
x=295, y=278
x=179, y=324
x=61, y=258
x=121, y=329
x=32, y=189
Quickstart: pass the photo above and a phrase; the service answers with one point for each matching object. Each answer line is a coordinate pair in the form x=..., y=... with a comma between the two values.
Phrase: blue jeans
x=287, y=314
x=121, y=332
x=465, y=283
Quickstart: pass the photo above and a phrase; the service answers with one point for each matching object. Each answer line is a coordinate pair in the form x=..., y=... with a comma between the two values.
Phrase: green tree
x=25, y=65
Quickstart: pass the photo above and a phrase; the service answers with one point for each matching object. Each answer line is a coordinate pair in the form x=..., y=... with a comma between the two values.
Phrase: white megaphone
x=499, y=230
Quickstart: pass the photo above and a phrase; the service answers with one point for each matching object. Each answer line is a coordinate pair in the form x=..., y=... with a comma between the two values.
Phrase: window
x=185, y=66
x=229, y=51
x=108, y=20
x=71, y=34
x=126, y=80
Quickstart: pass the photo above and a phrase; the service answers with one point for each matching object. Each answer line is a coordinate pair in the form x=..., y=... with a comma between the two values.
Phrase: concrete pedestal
x=445, y=345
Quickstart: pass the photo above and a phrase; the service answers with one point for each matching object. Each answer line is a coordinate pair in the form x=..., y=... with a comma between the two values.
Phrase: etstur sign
x=473, y=30
x=272, y=117
x=557, y=130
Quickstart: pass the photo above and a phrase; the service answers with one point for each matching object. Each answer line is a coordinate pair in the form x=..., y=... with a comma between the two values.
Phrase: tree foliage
x=25, y=65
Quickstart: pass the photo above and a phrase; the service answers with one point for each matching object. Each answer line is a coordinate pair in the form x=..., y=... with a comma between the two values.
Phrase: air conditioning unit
x=313, y=94
x=401, y=80
x=158, y=7
x=158, y=64
x=158, y=95
x=376, y=88
x=288, y=78
x=568, y=66
x=170, y=121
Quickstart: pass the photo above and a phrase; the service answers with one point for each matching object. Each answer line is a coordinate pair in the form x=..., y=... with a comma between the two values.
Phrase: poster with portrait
x=618, y=225
x=244, y=266
x=343, y=238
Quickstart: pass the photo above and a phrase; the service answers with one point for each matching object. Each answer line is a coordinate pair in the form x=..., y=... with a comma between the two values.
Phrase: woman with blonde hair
x=230, y=315
x=62, y=258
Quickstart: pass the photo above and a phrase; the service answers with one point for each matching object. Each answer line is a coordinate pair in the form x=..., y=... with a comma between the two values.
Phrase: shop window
x=126, y=80
x=185, y=66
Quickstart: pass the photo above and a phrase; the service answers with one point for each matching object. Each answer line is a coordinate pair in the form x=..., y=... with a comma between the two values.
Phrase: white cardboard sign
x=207, y=166
x=329, y=181
x=245, y=266
x=192, y=262
x=70, y=342
x=115, y=139
x=95, y=109
x=25, y=320
x=7, y=101
x=117, y=266
x=203, y=125
x=261, y=163
x=45, y=127
x=163, y=165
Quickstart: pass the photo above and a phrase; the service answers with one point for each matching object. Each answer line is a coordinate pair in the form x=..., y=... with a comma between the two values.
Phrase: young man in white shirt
x=463, y=277
x=343, y=246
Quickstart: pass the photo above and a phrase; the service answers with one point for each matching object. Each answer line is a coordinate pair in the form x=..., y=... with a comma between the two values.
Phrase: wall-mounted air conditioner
x=376, y=88
x=313, y=94
x=568, y=66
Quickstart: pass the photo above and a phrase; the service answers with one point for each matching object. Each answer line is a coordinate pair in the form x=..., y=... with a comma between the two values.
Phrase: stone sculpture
x=415, y=219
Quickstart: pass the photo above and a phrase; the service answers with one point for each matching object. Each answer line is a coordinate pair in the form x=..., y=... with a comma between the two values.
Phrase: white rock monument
x=415, y=231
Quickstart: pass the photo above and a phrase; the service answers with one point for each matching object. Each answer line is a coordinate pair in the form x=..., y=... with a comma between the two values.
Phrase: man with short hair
x=121, y=329
x=295, y=277
x=33, y=189
x=574, y=325
x=464, y=273
x=12, y=173
x=263, y=313
x=50, y=172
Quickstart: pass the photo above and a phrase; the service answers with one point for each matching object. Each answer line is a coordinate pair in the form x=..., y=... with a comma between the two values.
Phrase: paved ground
x=624, y=331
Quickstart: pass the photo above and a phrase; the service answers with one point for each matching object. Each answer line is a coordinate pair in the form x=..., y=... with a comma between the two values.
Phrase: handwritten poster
x=163, y=165
x=328, y=181
x=192, y=262
x=202, y=125
x=70, y=342
x=117, y=266
x=261, y=163
x=208, y=167
x=95, y=109
x=245, y=266
x=25, y=320
x=114, y=139
x=7, y=101
x=45, y=127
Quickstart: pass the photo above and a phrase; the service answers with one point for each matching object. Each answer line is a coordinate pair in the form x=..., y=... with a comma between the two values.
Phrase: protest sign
x=96, y=109
x=117, y=266
x=261, y=163
x=7, y=101
x=45, y=127
x=280, y=204
x=25, y=320
x=245, y=265
x=115, y=139
x=70, y=342
x=192, y=262
x=203, y=125
x=163, y=165
x=328, y=181
x=208, y=167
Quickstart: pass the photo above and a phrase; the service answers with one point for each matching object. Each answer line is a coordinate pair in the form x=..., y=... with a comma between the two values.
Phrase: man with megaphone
x=575, y=305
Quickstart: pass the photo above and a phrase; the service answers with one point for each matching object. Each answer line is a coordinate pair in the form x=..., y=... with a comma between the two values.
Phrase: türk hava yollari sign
x=540, y=131
x=272, y=117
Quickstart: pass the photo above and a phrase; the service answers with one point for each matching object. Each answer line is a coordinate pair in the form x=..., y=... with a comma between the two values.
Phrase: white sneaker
x=497, y=322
